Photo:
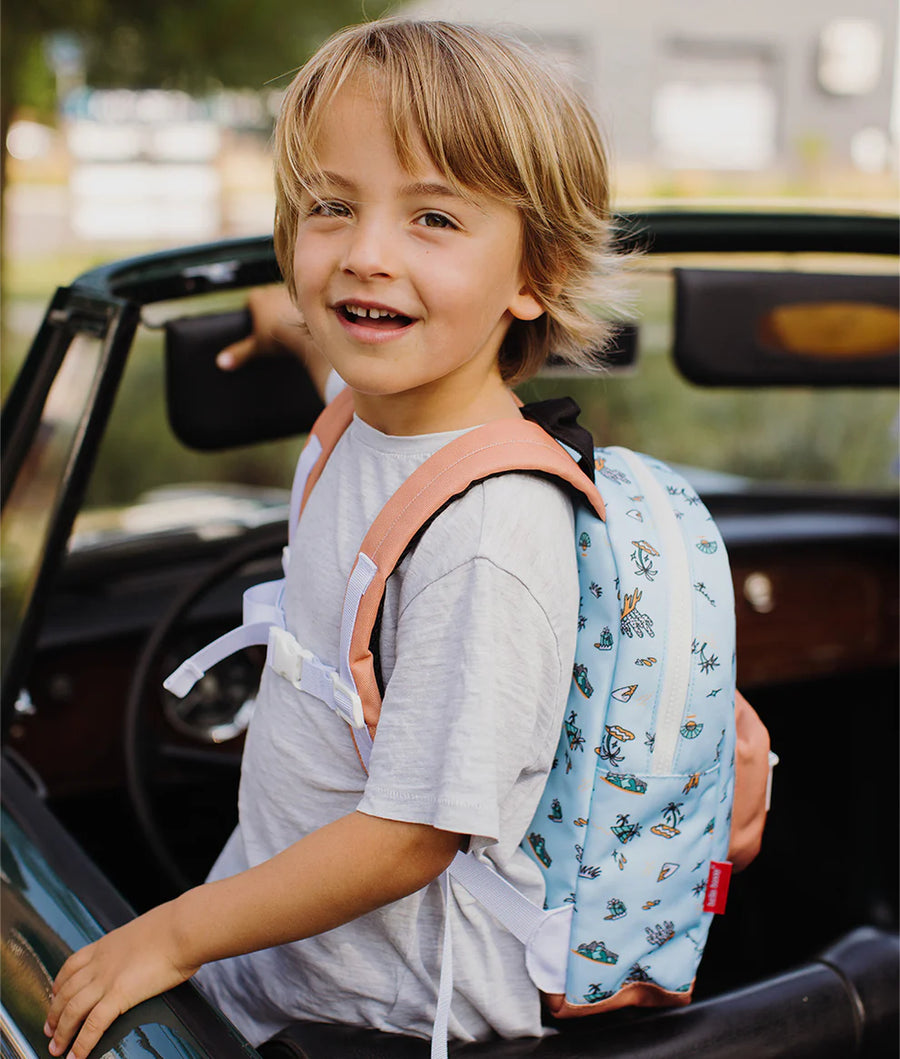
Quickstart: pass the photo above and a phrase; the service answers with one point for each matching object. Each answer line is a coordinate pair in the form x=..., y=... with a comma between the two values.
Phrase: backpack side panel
x=639, y=801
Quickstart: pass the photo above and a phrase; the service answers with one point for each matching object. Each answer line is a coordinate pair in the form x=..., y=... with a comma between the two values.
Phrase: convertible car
x=116, y=795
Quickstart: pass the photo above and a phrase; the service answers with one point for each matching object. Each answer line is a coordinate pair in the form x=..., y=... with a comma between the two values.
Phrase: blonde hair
x=494, y=121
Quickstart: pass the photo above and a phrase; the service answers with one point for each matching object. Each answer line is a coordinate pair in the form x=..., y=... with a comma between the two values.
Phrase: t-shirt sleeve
x=471, y=703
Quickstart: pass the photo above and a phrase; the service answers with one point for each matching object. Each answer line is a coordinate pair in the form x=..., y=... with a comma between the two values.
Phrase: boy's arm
x=278, y=327
x=343, y=870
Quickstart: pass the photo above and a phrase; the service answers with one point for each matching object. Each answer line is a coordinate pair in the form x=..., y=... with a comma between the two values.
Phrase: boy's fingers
x=78, y=1007
x=73, y=964
x=99, y=1019
x=233, y=356
x=64, y=989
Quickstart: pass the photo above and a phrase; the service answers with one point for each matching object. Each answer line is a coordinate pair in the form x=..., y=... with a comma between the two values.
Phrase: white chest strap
x=263, y=607
x=306, y=672
x=334, y=685
x=262, y=612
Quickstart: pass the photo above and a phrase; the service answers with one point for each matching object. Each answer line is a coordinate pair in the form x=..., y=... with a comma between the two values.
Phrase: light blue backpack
x=634, y=825
x=633, y=828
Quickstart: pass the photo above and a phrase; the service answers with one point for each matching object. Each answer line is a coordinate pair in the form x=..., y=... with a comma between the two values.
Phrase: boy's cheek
x=310, y=306
x=308, y=267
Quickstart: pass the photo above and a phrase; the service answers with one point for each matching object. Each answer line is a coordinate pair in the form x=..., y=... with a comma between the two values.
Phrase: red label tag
x=717, y=887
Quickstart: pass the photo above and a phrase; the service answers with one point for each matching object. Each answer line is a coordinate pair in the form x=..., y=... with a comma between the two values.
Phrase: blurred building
x=143, y=165
x=783, y=85
x=157, y=165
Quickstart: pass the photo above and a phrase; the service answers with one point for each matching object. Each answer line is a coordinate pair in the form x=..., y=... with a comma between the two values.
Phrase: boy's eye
x=435, y=220
x=329, y=209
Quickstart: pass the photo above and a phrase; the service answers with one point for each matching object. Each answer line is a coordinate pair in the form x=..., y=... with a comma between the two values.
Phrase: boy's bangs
x=463, y=146
x=305, y=107
x=435, y=99
x=440, y=96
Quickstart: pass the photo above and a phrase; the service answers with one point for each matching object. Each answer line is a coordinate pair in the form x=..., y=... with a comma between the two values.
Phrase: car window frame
x=72, y=312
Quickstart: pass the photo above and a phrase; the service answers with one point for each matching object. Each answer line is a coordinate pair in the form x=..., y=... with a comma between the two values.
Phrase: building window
x=715, y=107
x=850, y=56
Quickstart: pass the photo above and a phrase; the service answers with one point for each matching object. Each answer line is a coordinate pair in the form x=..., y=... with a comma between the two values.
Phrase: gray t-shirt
x=477, y=644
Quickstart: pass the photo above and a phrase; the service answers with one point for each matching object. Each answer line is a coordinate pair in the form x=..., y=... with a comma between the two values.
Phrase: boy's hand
x=334, y=874
x=100, y=981
x=277, y=329
x=274, y=319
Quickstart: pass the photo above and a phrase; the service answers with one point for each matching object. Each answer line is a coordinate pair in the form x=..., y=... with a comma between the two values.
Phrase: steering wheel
x=143, y=748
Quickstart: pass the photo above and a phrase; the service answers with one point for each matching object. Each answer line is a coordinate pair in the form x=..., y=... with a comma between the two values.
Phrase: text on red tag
x=717, y=887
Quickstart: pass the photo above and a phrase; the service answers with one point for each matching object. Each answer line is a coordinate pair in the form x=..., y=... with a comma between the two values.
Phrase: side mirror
x=266, y=399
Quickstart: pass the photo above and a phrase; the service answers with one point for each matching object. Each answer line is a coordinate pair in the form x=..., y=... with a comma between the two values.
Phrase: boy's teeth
x=373, y=314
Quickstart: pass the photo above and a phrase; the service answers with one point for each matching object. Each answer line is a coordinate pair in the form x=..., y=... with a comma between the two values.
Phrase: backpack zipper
x=679, y=626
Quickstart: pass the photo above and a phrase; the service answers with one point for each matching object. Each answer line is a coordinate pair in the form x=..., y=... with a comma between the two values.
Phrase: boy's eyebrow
x=418, y=187
x=338, y=181
x=428, y=187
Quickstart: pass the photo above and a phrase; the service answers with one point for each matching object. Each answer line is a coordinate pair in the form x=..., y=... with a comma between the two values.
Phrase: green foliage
x=38, y=85
x=841, y=437
x=146, y=43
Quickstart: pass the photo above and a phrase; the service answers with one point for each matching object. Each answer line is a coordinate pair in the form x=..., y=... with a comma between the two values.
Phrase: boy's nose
x=368, y=253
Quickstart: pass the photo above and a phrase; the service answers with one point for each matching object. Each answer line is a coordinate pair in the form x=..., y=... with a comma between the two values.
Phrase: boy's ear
x=525, y=306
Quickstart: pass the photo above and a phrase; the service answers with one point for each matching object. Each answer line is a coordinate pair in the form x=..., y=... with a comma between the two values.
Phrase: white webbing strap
x=311, y=452
x=445, y=984
x=194, y=668
x=363, y=740
x=264, y=603
x=262, y=608
x=345, y=690
x=545, y=933
x=360, y=579
x=520, y=916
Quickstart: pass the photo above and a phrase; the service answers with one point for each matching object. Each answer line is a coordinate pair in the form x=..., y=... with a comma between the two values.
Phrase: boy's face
x=407, y=288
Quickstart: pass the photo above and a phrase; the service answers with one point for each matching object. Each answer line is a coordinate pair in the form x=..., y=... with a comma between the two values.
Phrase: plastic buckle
x=183, y=679
x=286, y=656
x=347, y=701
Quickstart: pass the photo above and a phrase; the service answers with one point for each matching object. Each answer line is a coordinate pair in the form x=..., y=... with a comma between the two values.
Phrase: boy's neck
x=417, y=412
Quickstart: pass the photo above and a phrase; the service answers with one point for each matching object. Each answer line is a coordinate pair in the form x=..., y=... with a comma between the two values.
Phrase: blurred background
x=130, y=126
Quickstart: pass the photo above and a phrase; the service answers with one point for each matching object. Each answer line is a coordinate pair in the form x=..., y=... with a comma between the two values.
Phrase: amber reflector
x=832, y=329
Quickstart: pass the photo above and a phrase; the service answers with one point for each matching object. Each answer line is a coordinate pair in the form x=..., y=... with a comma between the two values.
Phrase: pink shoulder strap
x=497, y=447
x=333, y=420
x=752, y=769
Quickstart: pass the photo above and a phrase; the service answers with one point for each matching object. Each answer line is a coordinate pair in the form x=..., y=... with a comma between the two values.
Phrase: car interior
x=146, y=784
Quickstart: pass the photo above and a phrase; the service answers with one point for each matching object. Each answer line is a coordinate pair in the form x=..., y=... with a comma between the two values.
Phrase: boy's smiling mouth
x=358, y=316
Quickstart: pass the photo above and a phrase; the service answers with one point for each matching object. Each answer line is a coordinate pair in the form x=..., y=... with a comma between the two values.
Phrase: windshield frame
x=112, y=322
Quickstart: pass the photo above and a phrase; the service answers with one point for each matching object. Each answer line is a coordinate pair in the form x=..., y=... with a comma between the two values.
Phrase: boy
x=442, y=218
